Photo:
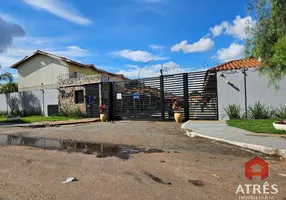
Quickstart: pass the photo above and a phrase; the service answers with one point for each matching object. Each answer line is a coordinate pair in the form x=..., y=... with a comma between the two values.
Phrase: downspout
x=245, y=94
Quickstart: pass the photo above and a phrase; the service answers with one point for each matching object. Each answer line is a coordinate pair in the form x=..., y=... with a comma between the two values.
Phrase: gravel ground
x=190, y=168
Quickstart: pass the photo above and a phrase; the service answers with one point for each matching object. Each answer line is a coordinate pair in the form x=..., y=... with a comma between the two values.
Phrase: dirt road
x=189, y=168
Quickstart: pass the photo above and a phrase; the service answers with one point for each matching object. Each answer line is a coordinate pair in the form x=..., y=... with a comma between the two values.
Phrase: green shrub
x=280, y=113
x=260, y=111
x=233, y=111
x=3, y=113
x=76, y=113
x=22, y=113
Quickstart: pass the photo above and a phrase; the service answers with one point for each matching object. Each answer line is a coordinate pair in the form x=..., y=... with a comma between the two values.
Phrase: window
x=73, y=74
x=79, y=98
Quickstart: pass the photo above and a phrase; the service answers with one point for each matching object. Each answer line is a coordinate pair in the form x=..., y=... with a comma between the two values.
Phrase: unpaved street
x=189, y=168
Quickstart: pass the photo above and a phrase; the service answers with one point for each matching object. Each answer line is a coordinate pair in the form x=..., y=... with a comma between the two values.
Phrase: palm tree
x=6, y=77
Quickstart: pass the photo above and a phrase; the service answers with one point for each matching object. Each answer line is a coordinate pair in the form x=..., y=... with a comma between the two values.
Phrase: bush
x=3, y=113
x=233, y=111
x=280, y=113
x=76, y=113
x=9, y=87
x=21, y=113
x=260, y=111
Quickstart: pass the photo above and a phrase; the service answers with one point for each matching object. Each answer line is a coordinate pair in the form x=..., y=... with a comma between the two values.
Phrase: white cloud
x=236, y=29
x=15, y=76
x=138, y=56
x=234, y=51
x=202, y=45
x=218, y=29
x=27, y=46
x=156, y=47
x=70, y=51
x=154, y=70
x=148, y=71
x=60, y=9
x=7, y=17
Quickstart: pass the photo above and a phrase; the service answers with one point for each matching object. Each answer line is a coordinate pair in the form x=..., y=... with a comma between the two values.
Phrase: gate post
x=110, y=101
x=162, y=98
x=186, y=96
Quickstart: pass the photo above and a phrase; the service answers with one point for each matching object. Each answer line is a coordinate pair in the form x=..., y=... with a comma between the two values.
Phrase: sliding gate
x=137, y=99
x=152, y=98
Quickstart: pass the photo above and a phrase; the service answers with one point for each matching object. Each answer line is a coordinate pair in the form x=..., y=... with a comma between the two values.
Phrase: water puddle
x=101, y=150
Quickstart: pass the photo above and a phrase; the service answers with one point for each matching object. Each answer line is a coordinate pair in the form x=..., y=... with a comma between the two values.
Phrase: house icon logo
x=256, y=163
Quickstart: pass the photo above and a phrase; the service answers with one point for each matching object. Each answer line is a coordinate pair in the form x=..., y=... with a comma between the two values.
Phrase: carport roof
x=237, y=64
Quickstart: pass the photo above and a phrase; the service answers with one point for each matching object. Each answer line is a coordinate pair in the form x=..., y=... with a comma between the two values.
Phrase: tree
x=5, y=88
x=9, y=87
x=268, y=38
x=6, y=77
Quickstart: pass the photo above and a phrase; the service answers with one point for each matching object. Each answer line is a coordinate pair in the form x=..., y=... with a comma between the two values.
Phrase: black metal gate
x=152, y=98
x=137, y=99
x=92, y=100
x=202, y=90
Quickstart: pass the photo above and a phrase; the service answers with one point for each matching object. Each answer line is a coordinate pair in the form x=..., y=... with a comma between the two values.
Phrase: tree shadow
x=24, y=103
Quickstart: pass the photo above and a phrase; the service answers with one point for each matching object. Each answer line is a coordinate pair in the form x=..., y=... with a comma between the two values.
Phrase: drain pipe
x=245, y=93
x=43, y=96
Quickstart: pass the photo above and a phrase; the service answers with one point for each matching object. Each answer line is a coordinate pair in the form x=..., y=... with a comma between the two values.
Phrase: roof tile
x=237, y=64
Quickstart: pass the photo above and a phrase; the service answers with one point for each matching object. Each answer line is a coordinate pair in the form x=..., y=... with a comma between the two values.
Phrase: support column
x=110, y=101
x=186, y=97
x=99, y=92
x=162, y=98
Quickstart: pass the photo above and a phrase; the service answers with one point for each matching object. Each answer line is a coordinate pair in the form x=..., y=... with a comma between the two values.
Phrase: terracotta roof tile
x=237, y=64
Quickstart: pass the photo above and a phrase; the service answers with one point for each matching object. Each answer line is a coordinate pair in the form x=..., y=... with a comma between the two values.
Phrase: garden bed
x=256, y=125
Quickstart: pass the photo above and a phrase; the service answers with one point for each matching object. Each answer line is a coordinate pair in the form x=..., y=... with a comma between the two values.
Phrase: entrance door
x=92, y=100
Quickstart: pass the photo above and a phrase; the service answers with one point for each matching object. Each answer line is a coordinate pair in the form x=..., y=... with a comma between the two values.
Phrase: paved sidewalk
x=219, y=130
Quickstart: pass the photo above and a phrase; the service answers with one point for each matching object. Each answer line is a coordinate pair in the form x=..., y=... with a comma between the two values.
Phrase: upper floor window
x=73, y=74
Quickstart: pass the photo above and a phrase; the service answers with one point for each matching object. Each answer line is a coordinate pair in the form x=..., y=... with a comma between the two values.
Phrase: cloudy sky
x=121, y=35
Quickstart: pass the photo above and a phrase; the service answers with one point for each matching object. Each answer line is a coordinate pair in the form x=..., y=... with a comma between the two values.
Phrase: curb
x=51, y=124
x=63, y=123
x=259, y=148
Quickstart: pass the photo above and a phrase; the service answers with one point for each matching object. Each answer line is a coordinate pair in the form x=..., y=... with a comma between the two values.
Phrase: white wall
x=40, y=69
x=257, y=89
x=30, y=101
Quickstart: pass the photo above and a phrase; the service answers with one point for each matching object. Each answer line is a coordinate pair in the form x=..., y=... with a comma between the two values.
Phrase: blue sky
x=121, y=35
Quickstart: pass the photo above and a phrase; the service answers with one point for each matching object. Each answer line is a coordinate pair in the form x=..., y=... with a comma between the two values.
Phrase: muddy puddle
x=100, y=150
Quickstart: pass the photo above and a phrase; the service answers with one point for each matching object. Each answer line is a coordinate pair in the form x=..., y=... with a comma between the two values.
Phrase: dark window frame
x=73, y=74
x=78, y=99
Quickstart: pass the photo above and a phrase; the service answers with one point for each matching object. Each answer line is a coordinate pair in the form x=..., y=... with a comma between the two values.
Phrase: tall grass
x=75, y=113
x=280, y=113
x=260, y=111
x=233, y=111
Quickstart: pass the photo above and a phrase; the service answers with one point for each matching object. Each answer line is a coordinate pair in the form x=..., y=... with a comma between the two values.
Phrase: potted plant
x=280, y=114
x=103, y=116
x=178, y=116
x=281, y=125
